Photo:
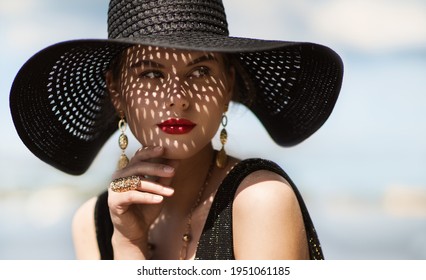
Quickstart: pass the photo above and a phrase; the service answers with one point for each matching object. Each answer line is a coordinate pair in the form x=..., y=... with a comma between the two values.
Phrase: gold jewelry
x=122, y=142
x=222, y=157
x=187, y=236
x=125, y=184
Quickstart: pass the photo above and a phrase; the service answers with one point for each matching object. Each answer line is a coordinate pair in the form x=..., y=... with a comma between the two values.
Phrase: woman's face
x=172, y=98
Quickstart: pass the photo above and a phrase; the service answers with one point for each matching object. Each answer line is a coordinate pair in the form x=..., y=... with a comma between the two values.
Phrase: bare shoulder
x=84, y=231
x=266, y=189
x=267, y=215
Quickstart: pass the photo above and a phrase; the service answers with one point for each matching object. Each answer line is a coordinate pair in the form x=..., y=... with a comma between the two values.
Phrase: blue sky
x=371, y=151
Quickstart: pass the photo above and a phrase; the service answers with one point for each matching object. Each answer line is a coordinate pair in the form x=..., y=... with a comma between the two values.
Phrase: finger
x=134, y=183
x=167, y=180
x=123, y=200
x=148, y=153
x=145, y=169
x=153, y=188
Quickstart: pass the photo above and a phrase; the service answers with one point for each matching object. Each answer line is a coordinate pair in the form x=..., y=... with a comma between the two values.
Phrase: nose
x=176, y=96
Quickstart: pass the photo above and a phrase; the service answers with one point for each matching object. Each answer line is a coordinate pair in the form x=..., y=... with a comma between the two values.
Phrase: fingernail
x=168, y=169
x=158, y=148
x=157, y=198
x=169, y=190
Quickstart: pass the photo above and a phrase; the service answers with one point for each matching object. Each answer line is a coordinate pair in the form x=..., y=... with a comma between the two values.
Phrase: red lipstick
x=176, y=126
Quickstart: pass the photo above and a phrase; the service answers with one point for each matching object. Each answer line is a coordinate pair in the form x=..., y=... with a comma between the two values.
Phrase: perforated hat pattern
x=63, y=114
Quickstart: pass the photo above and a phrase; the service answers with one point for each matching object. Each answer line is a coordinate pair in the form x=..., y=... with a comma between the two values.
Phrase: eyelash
x=204, y=71
x=154, y=74
x=147, y=74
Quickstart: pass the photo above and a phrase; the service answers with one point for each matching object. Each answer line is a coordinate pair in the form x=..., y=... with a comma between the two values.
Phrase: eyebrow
x=150, y=63
x=203, y=58
x=147, y=63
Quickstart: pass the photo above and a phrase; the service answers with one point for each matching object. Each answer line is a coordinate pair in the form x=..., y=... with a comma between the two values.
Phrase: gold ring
x=125, y=184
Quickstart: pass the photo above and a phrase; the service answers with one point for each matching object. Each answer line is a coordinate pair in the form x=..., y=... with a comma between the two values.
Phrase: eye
x=151, y=74
x=201, y=71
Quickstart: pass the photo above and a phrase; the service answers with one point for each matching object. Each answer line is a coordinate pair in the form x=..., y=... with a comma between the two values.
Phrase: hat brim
x=63, y=114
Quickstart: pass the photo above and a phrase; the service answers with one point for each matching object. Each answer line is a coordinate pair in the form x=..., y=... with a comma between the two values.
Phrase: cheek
x=144, y=98
x=211, y=92
x=143, y=111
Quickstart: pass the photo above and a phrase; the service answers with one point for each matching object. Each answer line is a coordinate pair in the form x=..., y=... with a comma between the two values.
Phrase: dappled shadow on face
x=174, y=98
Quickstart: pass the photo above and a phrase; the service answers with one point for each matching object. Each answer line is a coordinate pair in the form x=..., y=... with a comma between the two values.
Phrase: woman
x=168, y=72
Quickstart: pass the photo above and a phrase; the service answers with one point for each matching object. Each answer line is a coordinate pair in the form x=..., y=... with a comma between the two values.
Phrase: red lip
x=176, y=126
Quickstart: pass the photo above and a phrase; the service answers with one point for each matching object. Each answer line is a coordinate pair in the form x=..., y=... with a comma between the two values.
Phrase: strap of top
x=216, y=241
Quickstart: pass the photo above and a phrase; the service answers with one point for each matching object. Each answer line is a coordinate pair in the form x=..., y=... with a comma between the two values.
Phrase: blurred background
x=363, y=174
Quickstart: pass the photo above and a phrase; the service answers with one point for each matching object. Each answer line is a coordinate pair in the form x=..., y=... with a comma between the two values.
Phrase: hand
x=133, y=212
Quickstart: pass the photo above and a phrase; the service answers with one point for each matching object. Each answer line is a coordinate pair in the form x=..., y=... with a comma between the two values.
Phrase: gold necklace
x=187, y=236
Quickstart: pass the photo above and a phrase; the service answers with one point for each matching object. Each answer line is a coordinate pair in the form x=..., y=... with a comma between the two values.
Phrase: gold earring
x=122, y=142
x=222, y=157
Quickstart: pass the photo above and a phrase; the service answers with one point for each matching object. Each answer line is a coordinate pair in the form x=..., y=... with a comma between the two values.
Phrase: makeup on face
x=176, y=126
x=173, y=98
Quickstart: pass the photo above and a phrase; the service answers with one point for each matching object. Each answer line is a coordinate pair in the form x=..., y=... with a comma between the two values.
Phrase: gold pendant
x=123, y=141
x=123, y=161
x=221, y=158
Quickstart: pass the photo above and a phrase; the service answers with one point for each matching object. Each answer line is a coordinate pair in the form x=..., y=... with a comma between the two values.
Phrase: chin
x=182, y=152
x=179, y=153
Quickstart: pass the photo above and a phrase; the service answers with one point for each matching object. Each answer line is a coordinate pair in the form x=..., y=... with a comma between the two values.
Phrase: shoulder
x=267, y=215
x=84, y=231
x=267, y=190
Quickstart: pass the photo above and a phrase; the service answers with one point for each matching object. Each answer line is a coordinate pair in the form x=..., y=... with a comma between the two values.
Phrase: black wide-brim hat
x=63, y=114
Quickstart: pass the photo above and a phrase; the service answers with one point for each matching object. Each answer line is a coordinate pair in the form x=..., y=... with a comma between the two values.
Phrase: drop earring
x=122, y=142
x=222, y=157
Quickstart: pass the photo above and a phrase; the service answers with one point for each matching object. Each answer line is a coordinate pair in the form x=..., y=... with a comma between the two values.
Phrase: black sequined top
x=216, y=241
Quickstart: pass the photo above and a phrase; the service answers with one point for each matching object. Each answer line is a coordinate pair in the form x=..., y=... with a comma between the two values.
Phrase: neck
x=189, y=179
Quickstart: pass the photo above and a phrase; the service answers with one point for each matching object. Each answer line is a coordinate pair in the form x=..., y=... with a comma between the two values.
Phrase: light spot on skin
x=151, y=134
x=185, y=60
x=137, y=111
x=144, y=136
x=158, y=84
x=185, y=147
x=215, y=100
x=206, y=110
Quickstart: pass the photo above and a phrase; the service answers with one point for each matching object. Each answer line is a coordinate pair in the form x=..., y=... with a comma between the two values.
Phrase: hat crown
x=136, y=18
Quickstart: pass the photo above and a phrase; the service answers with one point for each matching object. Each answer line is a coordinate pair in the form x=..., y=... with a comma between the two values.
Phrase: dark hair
x=116, y=64
x=242, y=81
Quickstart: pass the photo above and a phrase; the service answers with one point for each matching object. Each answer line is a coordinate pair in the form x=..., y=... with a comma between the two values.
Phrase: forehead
x=173, y=55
